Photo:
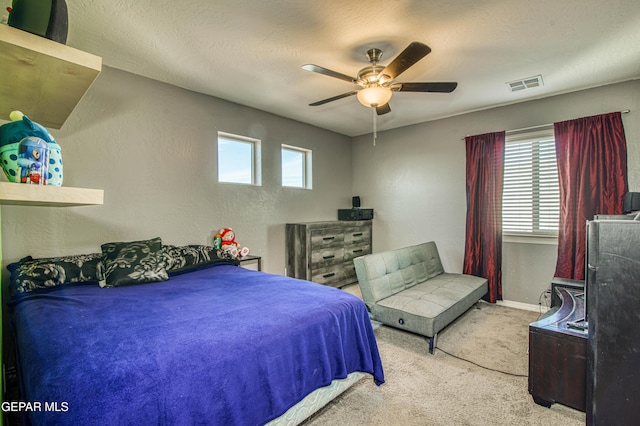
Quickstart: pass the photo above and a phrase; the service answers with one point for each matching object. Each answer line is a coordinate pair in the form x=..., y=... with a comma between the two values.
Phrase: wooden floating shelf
x=42, y=78
x=20, y=194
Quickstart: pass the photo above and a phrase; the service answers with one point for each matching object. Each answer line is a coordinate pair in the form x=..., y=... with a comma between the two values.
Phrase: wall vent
x=525, y=83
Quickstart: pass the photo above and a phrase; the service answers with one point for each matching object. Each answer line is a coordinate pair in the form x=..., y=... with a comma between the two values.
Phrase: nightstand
x=251, y=259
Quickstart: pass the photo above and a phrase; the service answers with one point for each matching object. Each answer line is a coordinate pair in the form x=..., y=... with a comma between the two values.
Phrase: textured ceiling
x=250, y=51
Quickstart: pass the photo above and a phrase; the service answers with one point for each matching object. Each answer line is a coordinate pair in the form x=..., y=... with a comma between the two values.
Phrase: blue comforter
x=220, y=345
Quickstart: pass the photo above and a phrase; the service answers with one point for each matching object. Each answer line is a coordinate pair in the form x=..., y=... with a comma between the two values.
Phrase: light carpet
x=440, y=389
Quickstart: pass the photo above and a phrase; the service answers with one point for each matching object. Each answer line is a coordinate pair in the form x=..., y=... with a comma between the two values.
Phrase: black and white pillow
x=30, y=274
x=133, y=262
x=179, y=259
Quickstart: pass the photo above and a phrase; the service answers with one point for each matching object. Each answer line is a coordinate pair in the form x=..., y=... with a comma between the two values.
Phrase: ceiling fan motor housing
x=372, y=76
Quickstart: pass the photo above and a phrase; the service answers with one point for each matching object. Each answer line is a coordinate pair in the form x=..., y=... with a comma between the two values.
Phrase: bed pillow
x=179, y=259
x=30, y=274
x=133, y=262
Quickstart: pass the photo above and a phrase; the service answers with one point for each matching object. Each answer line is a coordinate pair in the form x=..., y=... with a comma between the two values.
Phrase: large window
x=238, y=159
x=530, y=200
x=296, y=167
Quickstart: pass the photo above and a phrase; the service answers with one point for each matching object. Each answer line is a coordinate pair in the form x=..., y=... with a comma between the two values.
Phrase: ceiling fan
x=377, y=82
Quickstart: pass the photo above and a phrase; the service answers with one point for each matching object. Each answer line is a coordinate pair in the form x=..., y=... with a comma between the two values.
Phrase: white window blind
x=530, y=200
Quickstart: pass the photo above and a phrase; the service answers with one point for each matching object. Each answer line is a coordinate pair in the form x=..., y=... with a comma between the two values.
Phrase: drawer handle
x=358, y=234
x=328, y=275
x=328, y=238
x=357, y=251
x=331, y=256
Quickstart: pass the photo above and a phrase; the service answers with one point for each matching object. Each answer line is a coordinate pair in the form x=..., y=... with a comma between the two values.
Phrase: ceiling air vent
x=525, y=83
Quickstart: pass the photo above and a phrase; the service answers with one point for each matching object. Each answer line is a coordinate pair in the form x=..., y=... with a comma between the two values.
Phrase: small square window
x=296, y=167
x=238, y=159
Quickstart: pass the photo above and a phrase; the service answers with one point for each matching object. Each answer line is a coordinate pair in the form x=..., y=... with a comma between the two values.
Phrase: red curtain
x=592, y=171
x=483, y=242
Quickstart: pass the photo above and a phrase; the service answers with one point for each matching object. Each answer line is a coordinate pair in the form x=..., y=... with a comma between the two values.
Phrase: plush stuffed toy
x=229, y=244
x=12, y=133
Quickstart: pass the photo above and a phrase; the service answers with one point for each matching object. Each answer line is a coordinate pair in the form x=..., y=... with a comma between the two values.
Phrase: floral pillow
x=30, y=274
x=184, y=258
x=133, y=262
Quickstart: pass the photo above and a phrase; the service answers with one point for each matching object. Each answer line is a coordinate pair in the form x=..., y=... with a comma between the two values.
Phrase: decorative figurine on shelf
x=229, y=244
x=33, y=160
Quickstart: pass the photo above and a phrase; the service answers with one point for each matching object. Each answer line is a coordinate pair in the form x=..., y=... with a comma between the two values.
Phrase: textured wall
x=414, y=178
x=152, y=148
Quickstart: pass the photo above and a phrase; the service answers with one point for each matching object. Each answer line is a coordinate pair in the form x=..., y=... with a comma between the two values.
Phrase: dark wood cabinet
x=558, y=354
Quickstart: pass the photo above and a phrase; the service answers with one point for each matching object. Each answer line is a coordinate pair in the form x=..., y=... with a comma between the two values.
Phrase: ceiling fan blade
x=335, y=98
x=330, y=73
x=426, y=87
x=383, y=109
x=409, y=56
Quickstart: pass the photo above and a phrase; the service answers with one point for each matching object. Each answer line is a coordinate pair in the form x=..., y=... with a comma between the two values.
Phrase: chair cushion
x=381, y=275
x=428, y=307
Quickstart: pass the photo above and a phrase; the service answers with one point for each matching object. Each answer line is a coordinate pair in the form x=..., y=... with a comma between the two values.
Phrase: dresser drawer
x=327, y=256
x=350, y=273
x=357, y=235
x=352, y=252
x=326, y=237
x=334, y=276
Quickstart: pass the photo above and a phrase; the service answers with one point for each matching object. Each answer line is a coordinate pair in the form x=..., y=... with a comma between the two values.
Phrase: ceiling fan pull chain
x=375, y=127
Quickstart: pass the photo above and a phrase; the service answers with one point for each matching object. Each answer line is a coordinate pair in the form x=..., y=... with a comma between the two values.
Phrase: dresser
x=323, y=252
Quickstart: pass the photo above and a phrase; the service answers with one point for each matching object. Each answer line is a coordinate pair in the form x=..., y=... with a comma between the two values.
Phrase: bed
x=213, y=343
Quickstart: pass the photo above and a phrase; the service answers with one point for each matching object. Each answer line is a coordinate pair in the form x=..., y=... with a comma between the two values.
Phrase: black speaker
x=631, y=202
x=355, y=214
x=355, y=202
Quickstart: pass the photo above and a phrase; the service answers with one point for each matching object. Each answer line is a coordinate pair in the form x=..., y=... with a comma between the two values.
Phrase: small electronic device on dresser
x=355, y=213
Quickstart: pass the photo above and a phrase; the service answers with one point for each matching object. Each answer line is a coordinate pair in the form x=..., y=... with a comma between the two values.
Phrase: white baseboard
x=523, y=306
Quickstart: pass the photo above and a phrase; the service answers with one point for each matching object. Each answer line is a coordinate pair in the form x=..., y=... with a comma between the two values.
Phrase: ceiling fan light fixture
x=374, y=96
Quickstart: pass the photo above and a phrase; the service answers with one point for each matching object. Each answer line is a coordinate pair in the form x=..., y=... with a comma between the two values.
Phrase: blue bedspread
x=222, y=345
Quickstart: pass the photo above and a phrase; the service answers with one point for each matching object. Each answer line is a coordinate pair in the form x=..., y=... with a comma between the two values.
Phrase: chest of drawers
x=323, y=252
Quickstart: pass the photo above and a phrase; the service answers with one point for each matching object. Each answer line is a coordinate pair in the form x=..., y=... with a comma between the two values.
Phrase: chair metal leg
x=432, y=343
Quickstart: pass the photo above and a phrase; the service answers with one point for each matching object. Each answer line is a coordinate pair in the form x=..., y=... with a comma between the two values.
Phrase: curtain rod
x=626, y=111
